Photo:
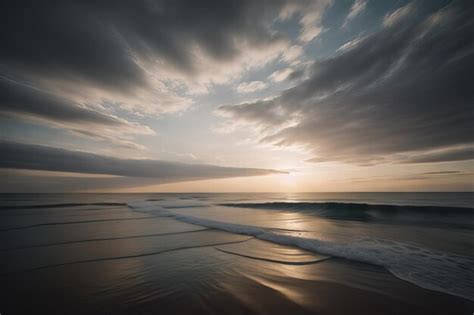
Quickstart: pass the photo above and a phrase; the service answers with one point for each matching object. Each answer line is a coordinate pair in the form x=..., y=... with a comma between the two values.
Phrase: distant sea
x=259, y=253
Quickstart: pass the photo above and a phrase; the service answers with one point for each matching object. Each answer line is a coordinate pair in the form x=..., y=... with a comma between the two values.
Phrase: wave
x=183, y=207
x=62, y=205
x=351, y=207
x=427, y=268
x=434, y=216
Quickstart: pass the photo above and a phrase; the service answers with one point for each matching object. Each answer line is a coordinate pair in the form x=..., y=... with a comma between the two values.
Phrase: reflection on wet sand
x=172, y=267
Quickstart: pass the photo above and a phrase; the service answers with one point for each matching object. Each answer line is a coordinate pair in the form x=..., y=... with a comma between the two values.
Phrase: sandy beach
x=111, y=259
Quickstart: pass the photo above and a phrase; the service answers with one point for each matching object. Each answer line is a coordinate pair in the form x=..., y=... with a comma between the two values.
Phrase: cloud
x=290, y=74
x=351, y=44
x=264, y=115
x=398, y=94
x=35, y=157
x=357, y=7
x=14, y=182
x=441, y=173
x=105, y=44
x=113, y=46
x=280, y=75
x=29, y=103
x=249, y=87
x=450, y=154
x=311, y=13
x=139, y=57
x=398, y=15
x=23, y=99
x=292, y=53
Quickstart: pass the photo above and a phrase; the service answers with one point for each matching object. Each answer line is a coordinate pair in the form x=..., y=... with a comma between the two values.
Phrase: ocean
x=237, y=253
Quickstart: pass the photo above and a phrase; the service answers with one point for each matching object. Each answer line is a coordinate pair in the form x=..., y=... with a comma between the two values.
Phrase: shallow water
x=146, y=252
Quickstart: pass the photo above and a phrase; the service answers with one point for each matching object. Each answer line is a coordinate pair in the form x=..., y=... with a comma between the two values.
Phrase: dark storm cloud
x=35, y=157
x=98, y=41
x=64, y=39
x=406, y=89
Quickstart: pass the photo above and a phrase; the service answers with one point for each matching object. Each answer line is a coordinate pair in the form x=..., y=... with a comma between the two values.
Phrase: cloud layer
x=401, y=94
x=35, y=157
x=87, y=61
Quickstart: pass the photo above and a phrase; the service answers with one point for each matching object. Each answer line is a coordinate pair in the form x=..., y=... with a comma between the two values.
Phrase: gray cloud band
x=35, y=157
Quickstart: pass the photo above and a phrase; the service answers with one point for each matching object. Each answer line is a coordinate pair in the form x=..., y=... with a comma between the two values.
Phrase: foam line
x=102, y=239
x=64, y=205
x=72, y=222
x=126, y=256
x=310, y=262
x=69, y=213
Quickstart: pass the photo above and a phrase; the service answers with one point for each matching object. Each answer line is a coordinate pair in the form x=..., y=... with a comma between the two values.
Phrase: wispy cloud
x=249, y=87
x=357, y=7
x=398, y=15
x=280, y=75
x=399, y=95
x=33, y=104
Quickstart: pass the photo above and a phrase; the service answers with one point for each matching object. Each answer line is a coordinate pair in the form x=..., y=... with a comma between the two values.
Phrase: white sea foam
x=427, y=268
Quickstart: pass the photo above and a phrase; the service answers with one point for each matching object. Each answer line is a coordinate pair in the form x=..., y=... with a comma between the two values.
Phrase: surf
x=428, y=268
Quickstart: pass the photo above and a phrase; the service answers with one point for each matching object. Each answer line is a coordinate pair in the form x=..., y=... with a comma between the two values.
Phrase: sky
x=236, y=96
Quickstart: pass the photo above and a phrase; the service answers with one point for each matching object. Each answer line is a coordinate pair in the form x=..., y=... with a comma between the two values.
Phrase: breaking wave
x=431, y=269
x=342, y=206
x=436, y=216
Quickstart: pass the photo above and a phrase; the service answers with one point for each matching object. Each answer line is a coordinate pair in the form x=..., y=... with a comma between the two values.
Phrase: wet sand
x=187, y=273
x=85, y=260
